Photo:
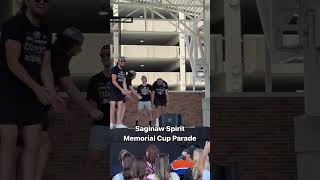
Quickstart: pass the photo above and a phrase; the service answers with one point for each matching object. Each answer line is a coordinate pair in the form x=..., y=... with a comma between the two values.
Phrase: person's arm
x=92, y=94
x=125, y=87
x=69, y=86
x=13, y=50
x=115, y=83
x=167, y=95
x=202, y=160
x=152, y=95
x=46, y=73
x=134, y=92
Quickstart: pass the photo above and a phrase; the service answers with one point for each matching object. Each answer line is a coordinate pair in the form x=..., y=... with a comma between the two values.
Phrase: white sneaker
x=112, y=126
x=121, y=126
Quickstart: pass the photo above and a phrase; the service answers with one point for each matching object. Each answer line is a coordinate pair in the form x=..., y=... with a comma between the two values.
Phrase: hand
x=167, y=103
x=96, y=114
x=207, y=147
x=43, y=95
x=59, y=105
x=139, y=97
x=124, y=92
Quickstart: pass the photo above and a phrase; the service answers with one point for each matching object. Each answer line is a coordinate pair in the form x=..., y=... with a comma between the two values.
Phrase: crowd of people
x=193, y=164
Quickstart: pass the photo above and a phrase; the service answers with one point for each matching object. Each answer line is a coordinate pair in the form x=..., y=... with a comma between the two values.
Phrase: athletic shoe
x=112, y=126
x=121, y=126
x=157, y=122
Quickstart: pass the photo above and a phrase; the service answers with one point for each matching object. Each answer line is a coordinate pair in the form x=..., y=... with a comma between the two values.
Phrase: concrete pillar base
x=307, y=147
x=206, y=111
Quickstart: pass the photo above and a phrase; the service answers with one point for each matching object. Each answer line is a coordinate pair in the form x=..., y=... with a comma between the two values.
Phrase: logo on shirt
x=145, y=91
x=34, y=47
x=121, y=75
x=36, y=35
x=104, y=92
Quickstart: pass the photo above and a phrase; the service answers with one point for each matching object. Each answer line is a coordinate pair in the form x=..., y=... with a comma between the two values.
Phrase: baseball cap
x=190, y=150
x=132, y=72
x=74, y=34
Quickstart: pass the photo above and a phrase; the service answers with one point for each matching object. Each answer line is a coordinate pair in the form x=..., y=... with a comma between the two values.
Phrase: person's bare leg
x=158, y=109
x=124, y=108
x=8, y=142
x=93, y=157
x=113, y=111
x=150, y=114
x=45, y=147
x=139, y=115
x=29, y=159
x=119, y=112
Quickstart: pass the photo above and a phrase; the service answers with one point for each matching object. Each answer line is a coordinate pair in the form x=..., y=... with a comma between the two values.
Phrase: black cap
x=190, y=150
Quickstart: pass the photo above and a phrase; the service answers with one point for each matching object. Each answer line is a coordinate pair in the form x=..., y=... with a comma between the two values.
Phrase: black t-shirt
x=128, y=81
x=99, y=92
x=35, y=41
x=160, y=88
x=145, y=92
x=188, y=175
x=59, y=63
x=121, y=76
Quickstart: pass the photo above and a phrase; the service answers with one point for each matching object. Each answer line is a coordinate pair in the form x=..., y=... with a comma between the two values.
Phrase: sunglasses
x=122, y=61
x=38, y=1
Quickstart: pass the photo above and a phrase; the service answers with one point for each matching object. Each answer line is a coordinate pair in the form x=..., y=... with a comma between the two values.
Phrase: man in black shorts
x=161, y=97
x=145, y=91
x=117, y=94
x=98, y=94
x=67, y=45
x=28, y=88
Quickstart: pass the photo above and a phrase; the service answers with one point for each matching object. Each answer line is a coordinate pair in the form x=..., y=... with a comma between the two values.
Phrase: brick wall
x=189, y=103
x=69, y=133
x=257, y=133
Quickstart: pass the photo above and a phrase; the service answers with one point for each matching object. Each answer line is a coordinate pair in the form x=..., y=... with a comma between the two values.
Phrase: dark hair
x=23, y=6
x=139, y=168
x=127, y=166
x=153, y=153
x=65, y=42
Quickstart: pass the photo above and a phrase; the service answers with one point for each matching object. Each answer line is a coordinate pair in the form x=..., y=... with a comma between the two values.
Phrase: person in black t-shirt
x=67, y=45
x=28, y=88
x=161, y=96
x=145, y=91
x=98, y=94
x=129, y=77
x=117, y=94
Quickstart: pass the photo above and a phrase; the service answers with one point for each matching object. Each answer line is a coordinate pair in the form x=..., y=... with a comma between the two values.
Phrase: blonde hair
x=162, y=167
x=196, y=156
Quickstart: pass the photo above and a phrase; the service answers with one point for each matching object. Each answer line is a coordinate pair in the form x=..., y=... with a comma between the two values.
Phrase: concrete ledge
x=258, y=94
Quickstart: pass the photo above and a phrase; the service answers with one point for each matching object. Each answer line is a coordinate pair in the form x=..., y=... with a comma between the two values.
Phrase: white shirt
x=119, y=176
x=206, y=175
x=173, y=175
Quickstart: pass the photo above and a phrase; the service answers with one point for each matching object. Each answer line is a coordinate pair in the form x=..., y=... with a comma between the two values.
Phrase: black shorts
x=116, y=95
x=160, y=101
x=21, y=109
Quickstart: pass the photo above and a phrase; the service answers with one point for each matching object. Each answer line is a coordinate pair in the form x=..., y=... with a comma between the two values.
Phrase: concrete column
x=307, y=127
x=182, y=44
x=232, y=23
x=209, y=59
x=116, y=31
